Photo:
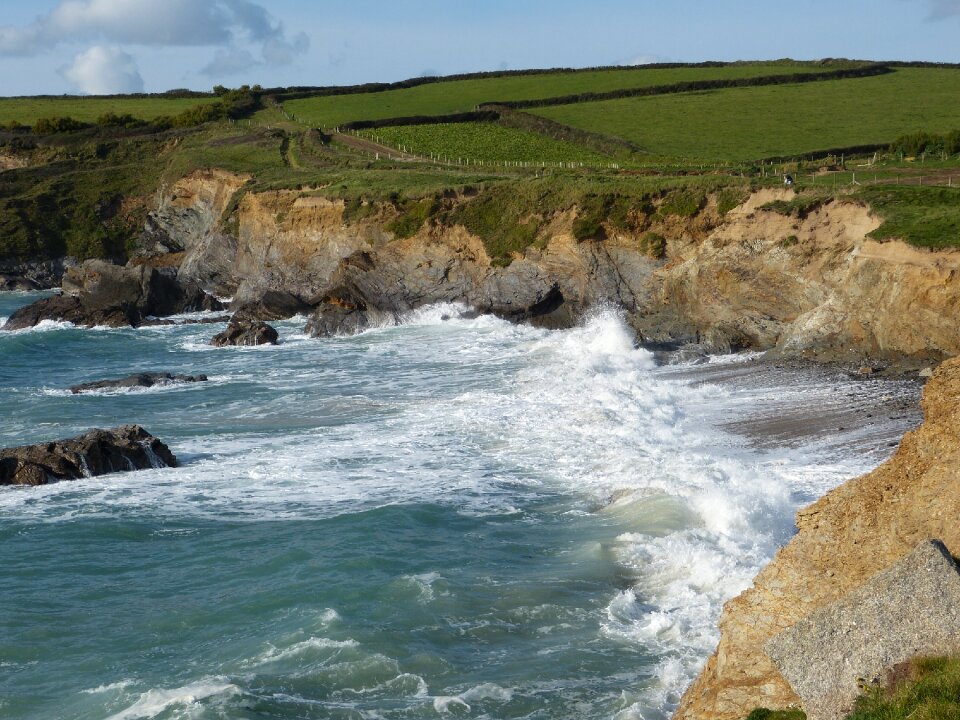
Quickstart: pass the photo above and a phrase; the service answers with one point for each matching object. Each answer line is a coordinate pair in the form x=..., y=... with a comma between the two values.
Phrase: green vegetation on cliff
x=924, y=689
x=924, y=216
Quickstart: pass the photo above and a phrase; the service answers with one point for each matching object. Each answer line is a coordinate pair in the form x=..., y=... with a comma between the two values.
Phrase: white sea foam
x=450, y=703
x=156, y=701
x=313, y=645
x=112, y=687
x=487, y=691
x=45, y=326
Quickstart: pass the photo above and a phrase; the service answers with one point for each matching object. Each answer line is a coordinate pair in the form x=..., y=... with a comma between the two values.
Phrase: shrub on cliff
x=413, y=214
x=49, y=126
x=917, y=143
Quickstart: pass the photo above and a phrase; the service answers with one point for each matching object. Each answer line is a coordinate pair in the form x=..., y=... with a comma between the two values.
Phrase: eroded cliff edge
x=844, y=538
x=810, y=286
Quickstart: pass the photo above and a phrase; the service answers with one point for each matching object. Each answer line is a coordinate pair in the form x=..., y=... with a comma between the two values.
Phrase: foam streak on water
x=453, y=517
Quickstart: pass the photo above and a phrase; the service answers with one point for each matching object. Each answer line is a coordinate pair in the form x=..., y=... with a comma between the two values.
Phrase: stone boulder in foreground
x=845, y=538
x=910, y=610
x=96, y=452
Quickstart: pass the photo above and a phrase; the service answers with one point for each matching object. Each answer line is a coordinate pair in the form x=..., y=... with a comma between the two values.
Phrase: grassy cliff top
x=883, y=133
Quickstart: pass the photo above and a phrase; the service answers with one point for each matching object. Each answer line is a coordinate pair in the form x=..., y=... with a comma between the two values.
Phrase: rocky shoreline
x=855, y=531
x=813, y=288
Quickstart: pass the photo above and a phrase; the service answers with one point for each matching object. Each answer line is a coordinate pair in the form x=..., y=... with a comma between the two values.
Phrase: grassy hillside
x=781, y=120
x=86, y=191
x=27, y=111
x=445, y=98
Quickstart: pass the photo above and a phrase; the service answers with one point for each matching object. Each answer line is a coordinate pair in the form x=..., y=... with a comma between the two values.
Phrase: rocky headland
x=859, y=529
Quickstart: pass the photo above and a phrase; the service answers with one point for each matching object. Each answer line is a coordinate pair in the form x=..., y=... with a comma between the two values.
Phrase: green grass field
x=444, y=98
x=27, y=111
x=756, y=122
x=487, y=142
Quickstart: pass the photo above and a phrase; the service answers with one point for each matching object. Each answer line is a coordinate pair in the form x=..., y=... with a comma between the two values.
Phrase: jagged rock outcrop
x=853, y=532
x=144, y=380
x=100, y=293
x=813, y=287
x=189, y=211
x=96, y=452
x=274, y=305
x=246, y=332
x=39, y=275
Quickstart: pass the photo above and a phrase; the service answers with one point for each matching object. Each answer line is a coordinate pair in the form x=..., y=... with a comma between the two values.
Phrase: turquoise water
x=448, y=518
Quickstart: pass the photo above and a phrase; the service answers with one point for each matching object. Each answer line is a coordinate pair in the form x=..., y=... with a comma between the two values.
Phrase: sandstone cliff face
x=847, y=536
x=188, y=218
x=813, y=287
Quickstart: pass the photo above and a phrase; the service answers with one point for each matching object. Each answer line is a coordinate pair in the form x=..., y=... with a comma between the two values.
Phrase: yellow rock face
x=844, y=538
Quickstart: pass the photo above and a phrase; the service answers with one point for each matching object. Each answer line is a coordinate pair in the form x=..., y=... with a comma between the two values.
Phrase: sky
x=111, y=46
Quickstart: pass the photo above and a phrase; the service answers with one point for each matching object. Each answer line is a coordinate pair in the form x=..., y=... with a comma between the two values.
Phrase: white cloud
x=232, y=25
x=104, y=71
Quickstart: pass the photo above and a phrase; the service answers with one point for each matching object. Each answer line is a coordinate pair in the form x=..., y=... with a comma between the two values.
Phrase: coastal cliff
x=810, y=285
x=844, y=538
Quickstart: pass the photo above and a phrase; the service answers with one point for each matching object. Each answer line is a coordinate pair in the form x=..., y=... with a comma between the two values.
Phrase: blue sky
x=104, y=46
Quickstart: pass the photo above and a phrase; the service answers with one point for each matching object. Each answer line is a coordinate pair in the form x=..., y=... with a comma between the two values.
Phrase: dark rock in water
x=96, y=452
x=246, y=332
x=274, y=305
x=342, y=312
x=70, y=309
x=514, y=302
x=100, y=293
x=138, y=380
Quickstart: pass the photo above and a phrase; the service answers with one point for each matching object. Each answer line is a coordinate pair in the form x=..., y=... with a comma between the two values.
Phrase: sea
x=452, y=517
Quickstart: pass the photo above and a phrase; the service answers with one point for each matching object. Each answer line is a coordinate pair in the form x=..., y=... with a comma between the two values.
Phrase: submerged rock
x=246, y=332
x=96, y=452
x=138, y=380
